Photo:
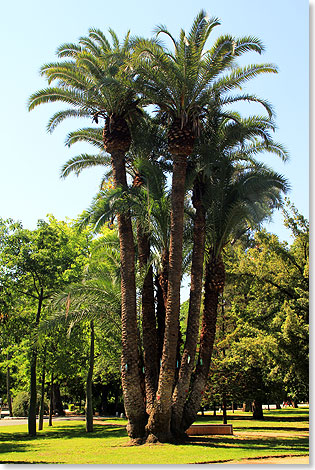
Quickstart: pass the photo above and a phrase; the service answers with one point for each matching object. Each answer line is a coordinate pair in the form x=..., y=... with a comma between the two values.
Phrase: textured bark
x=207, y=337
x=149, y=332
x=160, y=316
x=33, y=392
x=89, y=381
x=130, y=360
x=159, y=420
x=193, y=321
x=161, y=298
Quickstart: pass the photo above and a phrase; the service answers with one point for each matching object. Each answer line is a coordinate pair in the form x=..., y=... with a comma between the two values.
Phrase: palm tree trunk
x=207, y=337
x=33, y=392
x=160, y=418
x=89, y=380
x=149, y=333
x=161, y=298
x=130, y=360
x=193, y=321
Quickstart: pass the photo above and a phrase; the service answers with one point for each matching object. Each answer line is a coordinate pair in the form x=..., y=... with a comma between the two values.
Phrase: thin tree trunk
x=130, y=360
x=9, y=398
x=149, y=333
x=160, y=418
x=224, y=408
x=33, y=392
x=89, y=381
x=41, y=407
x=207, y=337
x=193, y=322
x=51, y=400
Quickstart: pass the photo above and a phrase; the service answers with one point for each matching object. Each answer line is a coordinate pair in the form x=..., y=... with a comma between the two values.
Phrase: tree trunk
x=51, y=400
x=149, y=333
x=159, y=420
x=257, y=410
x=33, y=392
x=247, y=406
x=9, y=398
x=130, y=360
x=89, y=381
x=224, y=408
x=41, y=407
x=214, y=269
x=57, y=402
x=193, y=321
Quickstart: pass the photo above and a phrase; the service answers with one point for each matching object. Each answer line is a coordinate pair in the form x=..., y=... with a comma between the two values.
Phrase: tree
x=96, y=84
x=108, y=82
x=34, y=264
x=274, y=279
x=181, y=85
x=95, y=300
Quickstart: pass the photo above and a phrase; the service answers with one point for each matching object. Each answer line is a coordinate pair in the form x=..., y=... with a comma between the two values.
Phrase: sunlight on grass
x=68, y=443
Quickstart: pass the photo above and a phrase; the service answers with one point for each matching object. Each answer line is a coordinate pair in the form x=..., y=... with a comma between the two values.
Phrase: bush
x=20, y=404
x=71, y=407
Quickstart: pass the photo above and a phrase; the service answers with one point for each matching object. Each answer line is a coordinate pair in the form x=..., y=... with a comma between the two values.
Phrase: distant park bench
x=206, y=429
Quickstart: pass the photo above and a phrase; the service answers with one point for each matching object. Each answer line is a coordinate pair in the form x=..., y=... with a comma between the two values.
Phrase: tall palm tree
x=239, y=194
x=95, y=83
x=181, y=84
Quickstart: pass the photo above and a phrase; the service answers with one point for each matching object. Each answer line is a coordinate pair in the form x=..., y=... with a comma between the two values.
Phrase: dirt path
x=294, y=460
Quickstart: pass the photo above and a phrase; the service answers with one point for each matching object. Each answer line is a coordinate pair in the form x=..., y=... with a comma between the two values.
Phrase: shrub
x=20, y=404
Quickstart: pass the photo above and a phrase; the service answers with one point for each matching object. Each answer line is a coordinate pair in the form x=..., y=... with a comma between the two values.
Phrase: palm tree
x=181, y=85
x=241, y=192
x=96, y=84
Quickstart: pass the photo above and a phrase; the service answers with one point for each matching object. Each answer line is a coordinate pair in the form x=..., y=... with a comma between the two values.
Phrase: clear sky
x=30, y=33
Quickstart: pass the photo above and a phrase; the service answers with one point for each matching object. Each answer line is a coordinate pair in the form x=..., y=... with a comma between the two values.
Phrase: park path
x=296, y=460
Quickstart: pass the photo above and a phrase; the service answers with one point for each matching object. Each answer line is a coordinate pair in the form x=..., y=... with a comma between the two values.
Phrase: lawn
x=283, y=432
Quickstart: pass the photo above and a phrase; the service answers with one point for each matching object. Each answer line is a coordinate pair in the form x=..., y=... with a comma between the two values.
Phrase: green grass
x=68, y=443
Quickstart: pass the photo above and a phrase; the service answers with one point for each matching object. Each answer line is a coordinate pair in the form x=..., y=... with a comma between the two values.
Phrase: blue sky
x=30, y=33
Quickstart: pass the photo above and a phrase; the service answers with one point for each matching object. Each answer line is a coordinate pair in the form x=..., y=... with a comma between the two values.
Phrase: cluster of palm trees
x=217, y=190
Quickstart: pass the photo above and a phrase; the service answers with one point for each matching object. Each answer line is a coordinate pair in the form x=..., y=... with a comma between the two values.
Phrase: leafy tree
x=94, y=300
x=33, y=265
x=270, y=299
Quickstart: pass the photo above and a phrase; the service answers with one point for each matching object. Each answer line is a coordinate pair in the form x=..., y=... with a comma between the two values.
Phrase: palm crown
x=92, y=81
x=183, y=83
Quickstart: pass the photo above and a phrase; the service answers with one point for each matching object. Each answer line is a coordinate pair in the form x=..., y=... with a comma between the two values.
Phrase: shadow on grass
x=268, y=443
x=21, y=462
x=278, y=418
x=269, y=428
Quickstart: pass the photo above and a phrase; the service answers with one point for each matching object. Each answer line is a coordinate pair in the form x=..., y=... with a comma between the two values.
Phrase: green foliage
x=20, y=404
x=266, y=341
